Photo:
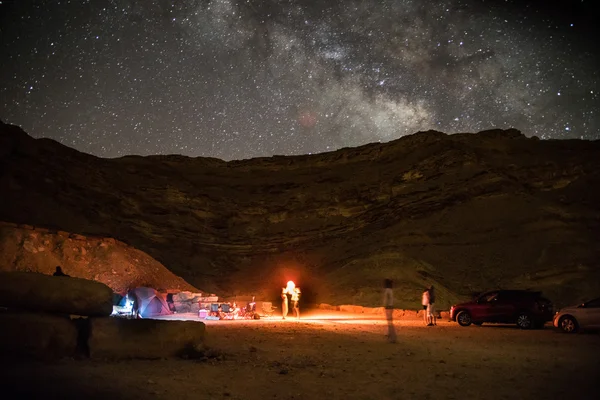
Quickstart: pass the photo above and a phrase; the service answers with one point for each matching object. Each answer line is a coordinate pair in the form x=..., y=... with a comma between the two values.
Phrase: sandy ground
x=335, y=356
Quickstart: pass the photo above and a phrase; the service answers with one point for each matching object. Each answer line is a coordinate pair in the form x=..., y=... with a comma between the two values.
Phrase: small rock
x=283, y=371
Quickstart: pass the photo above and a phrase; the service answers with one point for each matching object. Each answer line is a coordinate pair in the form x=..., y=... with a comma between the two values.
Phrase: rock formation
x=118, y=338
x=25, y=291
x=466, y=212
x=119, y=266
x=43, y=336
x=36, y=316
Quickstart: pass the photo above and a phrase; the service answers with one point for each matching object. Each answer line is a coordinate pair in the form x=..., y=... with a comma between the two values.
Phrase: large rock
x=43, y=293
x=352, y=309
x=329, y=307
x=38, y=336
x=117, y=338
x=183, y=307
x=183, y=296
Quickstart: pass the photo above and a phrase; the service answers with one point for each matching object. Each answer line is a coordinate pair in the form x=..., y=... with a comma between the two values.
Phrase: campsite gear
x=221, y=310
x=248, y=312
x=268, y=309
x=215, y=310
x=227, y=311
x=122, y=306
x=202, y=313
x=148, y=302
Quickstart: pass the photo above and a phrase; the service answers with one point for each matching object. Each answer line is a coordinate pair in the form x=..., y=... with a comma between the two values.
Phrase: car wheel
x=568, y=324
x=524, y=321
x=463, y=318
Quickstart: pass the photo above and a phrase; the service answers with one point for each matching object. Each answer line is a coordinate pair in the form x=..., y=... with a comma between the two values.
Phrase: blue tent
x=148, y=303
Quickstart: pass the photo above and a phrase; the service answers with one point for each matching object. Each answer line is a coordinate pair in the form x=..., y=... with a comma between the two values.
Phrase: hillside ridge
x=466, y=212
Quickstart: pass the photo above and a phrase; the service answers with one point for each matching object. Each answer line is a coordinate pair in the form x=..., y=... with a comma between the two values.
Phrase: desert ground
x=334, y=355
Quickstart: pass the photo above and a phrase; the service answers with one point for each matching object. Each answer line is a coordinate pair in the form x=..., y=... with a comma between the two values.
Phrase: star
x=236, y=79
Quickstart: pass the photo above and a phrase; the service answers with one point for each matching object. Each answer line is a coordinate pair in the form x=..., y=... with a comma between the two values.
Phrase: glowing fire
x=290, y=286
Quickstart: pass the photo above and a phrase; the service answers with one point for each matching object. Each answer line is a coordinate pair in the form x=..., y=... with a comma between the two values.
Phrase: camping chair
x=268, y=309
x=214, y=310
x=227, y=311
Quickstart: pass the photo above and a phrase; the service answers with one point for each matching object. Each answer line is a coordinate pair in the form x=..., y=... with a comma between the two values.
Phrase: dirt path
x=341, y=358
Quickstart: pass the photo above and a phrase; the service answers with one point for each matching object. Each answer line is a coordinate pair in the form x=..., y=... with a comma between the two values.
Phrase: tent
x=119, y=300
x=148, y=302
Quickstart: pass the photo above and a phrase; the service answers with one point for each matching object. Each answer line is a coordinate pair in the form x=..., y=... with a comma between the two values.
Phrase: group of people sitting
x=232, y=311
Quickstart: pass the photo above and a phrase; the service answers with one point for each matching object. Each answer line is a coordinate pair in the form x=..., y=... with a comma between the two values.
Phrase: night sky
x=236, y=79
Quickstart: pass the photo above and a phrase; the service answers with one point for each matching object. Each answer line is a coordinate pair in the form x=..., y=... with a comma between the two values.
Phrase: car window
x=489, y=297
x=593, y=304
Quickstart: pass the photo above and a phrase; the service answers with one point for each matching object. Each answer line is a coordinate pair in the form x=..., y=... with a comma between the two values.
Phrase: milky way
x=236, y=79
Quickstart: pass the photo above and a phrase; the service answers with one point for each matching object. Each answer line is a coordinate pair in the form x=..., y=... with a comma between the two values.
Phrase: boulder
x=183, y=296
x=118, y=338
x=56, y=294
x=182, y=307
x=37, y=336
x=324, y=306
x=351, y=309
x=408, y=314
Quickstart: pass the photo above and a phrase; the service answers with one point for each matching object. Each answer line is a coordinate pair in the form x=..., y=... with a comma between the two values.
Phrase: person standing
x=59, y=272
x=425, y=303
x=284, y=303
x=431, y=307
x=295, y=301
x=388, y=304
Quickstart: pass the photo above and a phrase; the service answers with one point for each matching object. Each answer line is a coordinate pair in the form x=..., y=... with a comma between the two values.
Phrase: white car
x=583, y=316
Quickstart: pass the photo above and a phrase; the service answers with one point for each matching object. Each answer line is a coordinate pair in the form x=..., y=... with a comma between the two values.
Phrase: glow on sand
x=312, y=317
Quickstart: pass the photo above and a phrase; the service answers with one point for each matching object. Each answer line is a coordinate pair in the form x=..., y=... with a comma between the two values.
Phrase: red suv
x=525, y=308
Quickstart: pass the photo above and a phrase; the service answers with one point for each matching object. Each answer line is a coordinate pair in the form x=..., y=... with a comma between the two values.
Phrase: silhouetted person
x=388, y=303
x=59, y=272
x=431, y=307
x=284, y=303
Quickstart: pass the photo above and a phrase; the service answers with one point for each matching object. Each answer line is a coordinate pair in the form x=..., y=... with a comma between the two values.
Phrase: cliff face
x=465, y=212
x=106, y=260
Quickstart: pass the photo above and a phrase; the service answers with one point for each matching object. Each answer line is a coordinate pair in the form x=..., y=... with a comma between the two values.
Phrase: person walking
x=284, y=303
x=425, y=303
x=388, y=304
x=431, y=307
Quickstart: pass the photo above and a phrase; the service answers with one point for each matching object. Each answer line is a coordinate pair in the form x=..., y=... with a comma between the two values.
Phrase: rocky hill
x=465, y=212
x=119, y=266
